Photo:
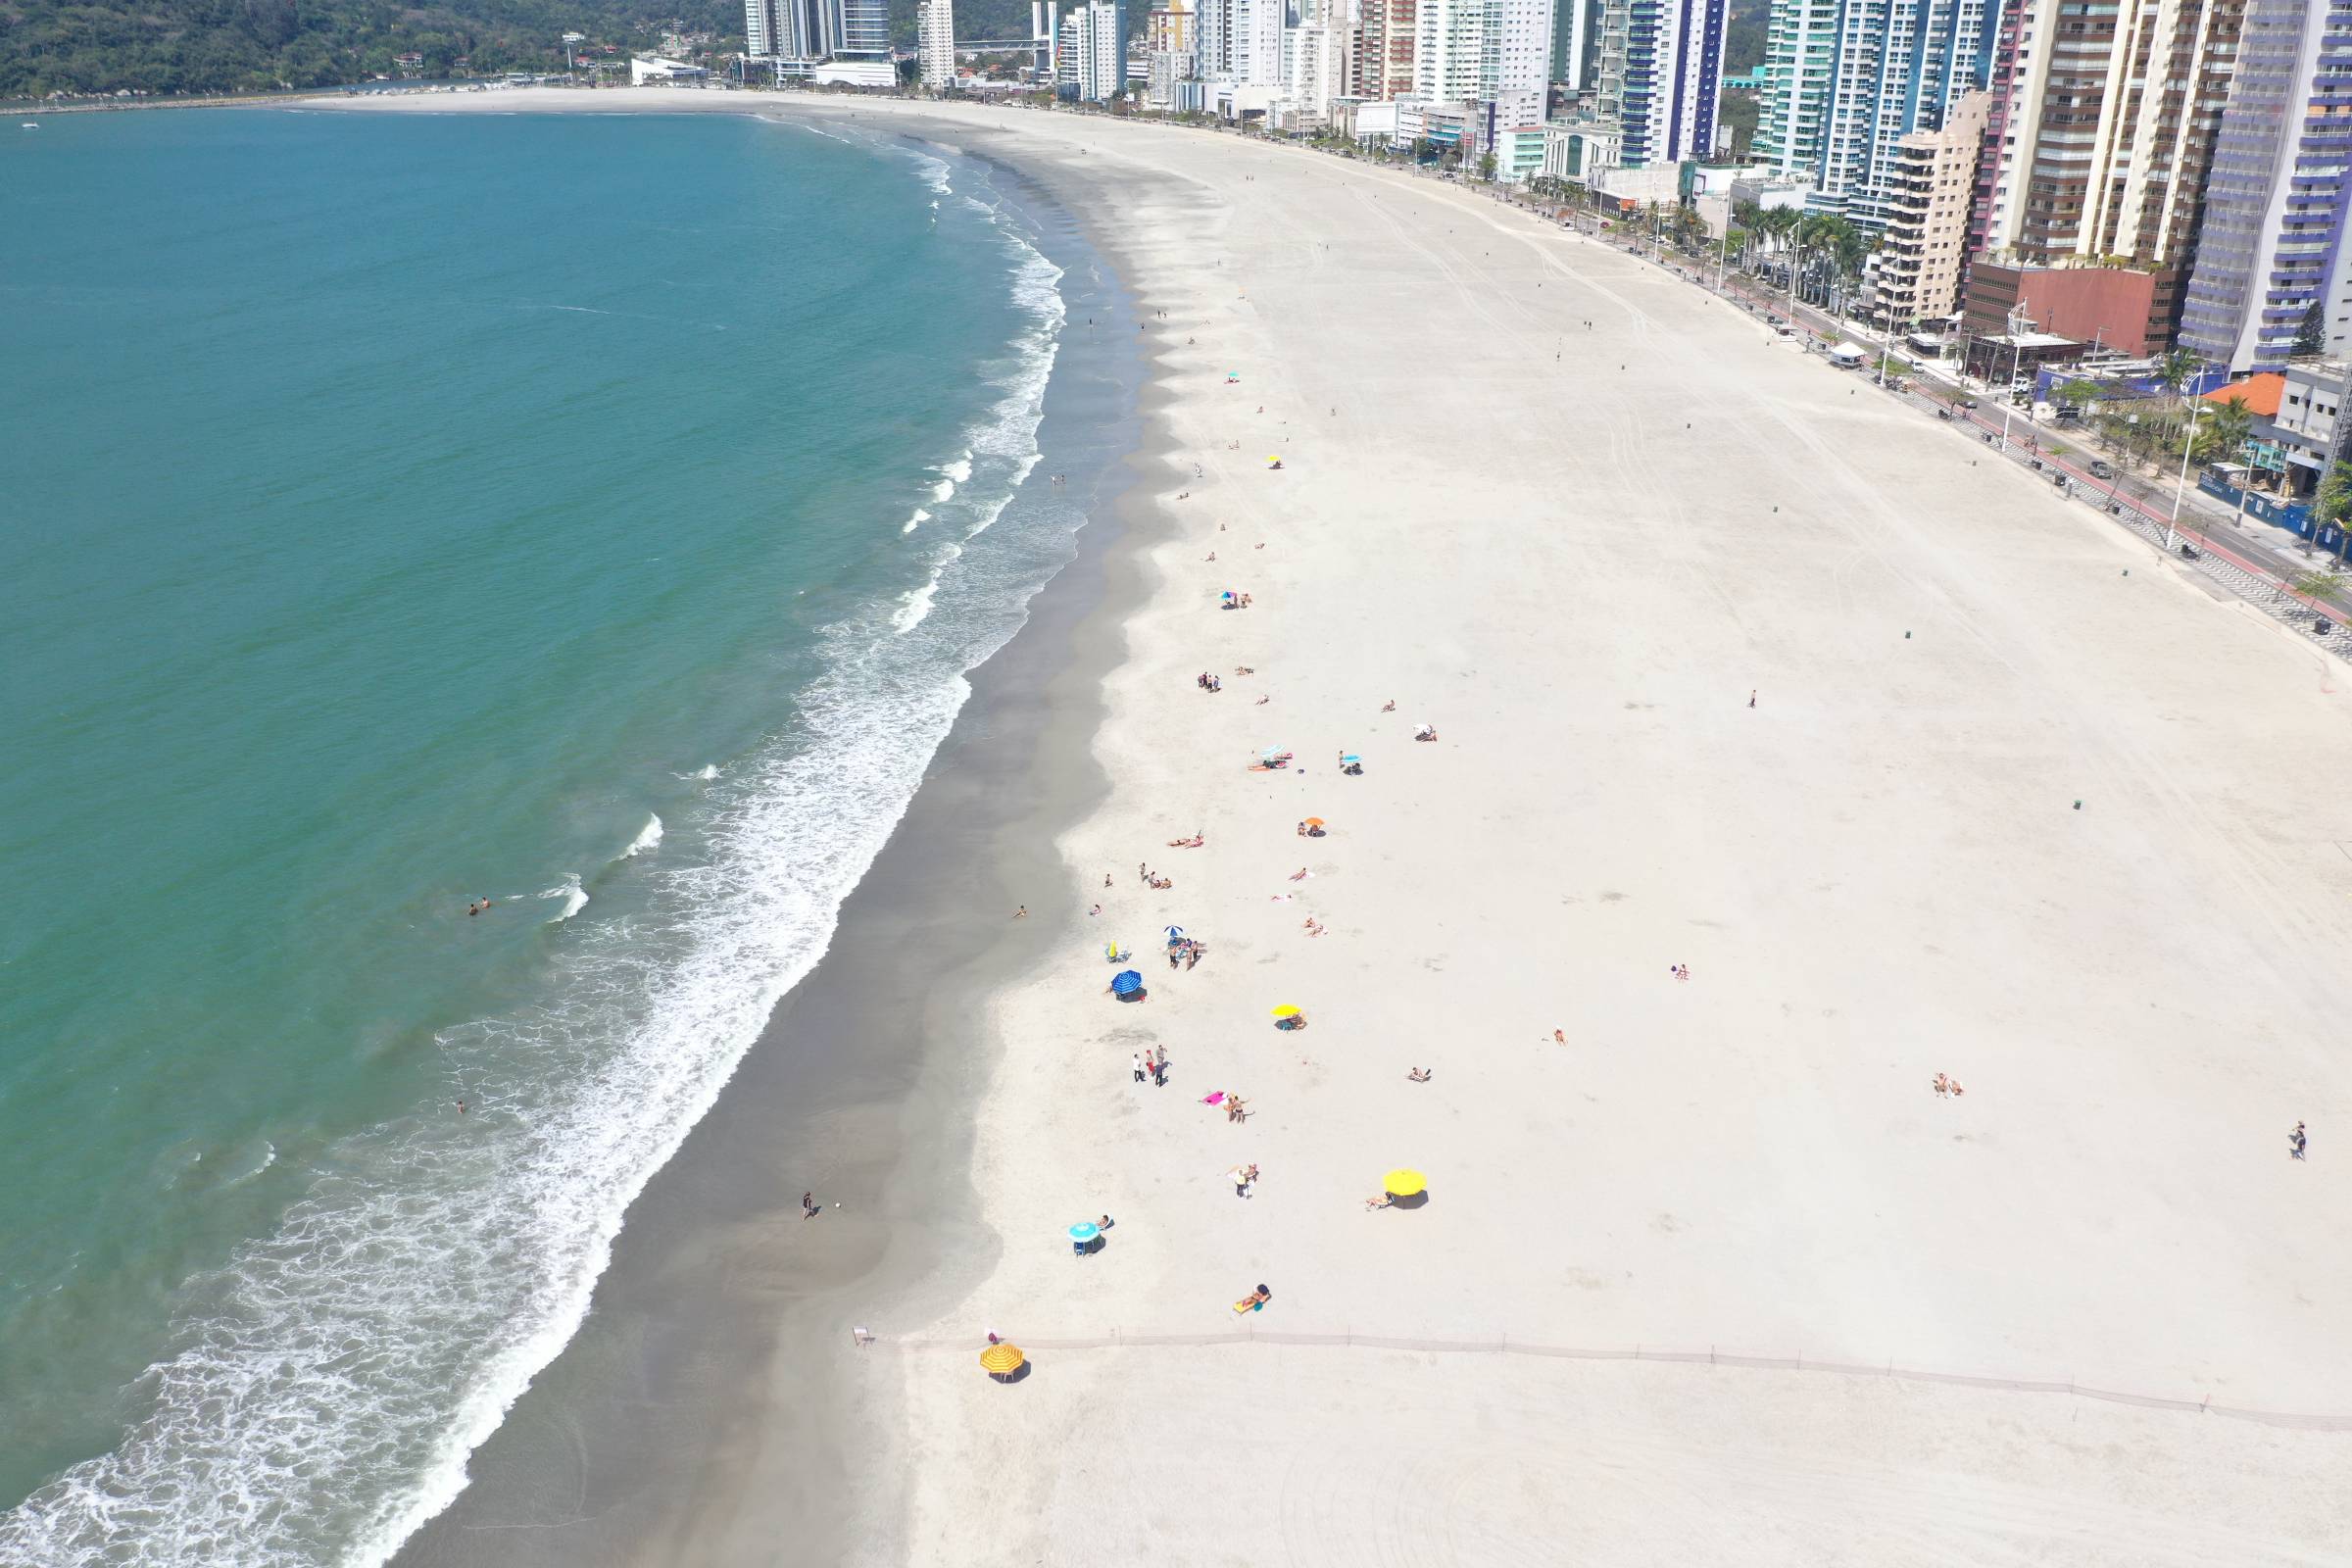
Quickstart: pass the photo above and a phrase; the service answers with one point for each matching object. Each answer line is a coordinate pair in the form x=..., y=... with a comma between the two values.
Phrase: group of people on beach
x=1152, y=1063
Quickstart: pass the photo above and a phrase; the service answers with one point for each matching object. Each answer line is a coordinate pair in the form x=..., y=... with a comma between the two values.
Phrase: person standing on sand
x=1751, y=697
x=1139, y=1066
x=2296, y=1143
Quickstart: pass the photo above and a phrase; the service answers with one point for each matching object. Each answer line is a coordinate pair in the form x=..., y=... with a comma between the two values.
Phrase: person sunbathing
x=1298, y=876
x=1384, y=1200
x=1419, y=1075
x=1388, y=707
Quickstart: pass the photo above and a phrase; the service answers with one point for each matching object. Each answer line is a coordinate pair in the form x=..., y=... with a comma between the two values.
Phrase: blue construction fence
x=2292, y=515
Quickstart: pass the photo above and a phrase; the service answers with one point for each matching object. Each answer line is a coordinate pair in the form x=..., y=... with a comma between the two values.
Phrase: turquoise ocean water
x=593, y=514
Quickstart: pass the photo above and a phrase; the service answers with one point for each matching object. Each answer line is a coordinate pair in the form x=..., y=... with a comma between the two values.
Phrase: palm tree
x=2176, y=369
x=2231, y=423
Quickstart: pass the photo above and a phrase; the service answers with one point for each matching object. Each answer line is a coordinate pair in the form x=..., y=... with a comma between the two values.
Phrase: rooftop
x=2260, y=393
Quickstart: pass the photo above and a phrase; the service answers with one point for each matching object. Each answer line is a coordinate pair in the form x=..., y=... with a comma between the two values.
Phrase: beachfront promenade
x=2017, y=801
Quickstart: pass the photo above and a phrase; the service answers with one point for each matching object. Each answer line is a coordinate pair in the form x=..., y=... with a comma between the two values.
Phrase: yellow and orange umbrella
x=999, y=1359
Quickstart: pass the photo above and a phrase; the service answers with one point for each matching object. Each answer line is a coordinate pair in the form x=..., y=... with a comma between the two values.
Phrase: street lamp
x=2180, y=487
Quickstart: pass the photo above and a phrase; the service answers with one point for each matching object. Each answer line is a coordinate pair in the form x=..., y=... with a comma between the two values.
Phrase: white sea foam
x=319, y=1399
x=574, y=897
x=709, y=770
x=648, y=839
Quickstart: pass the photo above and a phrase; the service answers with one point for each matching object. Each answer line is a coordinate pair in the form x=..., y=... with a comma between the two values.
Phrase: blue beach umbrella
x=1126, y=983
x=1349, y=756
x=1085, y=1231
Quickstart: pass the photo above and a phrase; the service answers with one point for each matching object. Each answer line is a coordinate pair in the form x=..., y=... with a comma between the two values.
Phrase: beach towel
x=1217, y=1098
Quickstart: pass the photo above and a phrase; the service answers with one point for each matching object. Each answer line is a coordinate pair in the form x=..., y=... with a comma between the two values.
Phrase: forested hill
x=199, y=46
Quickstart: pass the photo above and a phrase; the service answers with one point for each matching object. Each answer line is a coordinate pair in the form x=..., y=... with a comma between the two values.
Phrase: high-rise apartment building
x=2105, y=113
x=1928, y=199
x=1852, y=78
x=1575, y=43
x=1170, y=54
x=1092, y=60
x=1315, y=62
x=1241, y=42
x=1659, y=74
x=1168, y=29
x=935, y=43
x=2271, y=247
x=1492, y=53
x=834, y=40
x=1382, y=66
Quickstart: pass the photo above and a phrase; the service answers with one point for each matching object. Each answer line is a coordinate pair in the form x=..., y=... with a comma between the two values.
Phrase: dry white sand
x=1576, y=551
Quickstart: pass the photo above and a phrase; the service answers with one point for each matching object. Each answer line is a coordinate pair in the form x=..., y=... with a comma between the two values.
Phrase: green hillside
x=198, y=46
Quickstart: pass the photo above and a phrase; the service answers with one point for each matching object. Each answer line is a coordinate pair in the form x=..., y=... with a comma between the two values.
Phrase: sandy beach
x=2015, y=800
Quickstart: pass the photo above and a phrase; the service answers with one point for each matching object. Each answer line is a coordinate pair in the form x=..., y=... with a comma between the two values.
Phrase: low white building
x=1580, y=152
x=653, y=68
x=2315, y=409
x=1371, y=125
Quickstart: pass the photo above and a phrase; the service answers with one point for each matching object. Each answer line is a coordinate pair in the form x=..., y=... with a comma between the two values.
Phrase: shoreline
x=691, y=1274
x=1869, y=876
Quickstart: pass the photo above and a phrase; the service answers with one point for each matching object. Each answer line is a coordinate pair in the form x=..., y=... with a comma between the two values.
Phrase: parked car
x=2102, y=469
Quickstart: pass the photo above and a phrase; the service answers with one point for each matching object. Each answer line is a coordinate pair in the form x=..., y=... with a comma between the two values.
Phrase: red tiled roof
x=2260, y=393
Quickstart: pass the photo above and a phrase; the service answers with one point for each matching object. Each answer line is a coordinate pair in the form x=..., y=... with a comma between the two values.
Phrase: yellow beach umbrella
x=1404, y=1182
x=999, y=1359
x=1286, y=1010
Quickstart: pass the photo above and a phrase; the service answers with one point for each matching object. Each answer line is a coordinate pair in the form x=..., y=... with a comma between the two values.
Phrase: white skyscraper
x=829, y=41
x=1493, y=54
x=1093, y=56
x=1314, y=60
x=935, y=42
